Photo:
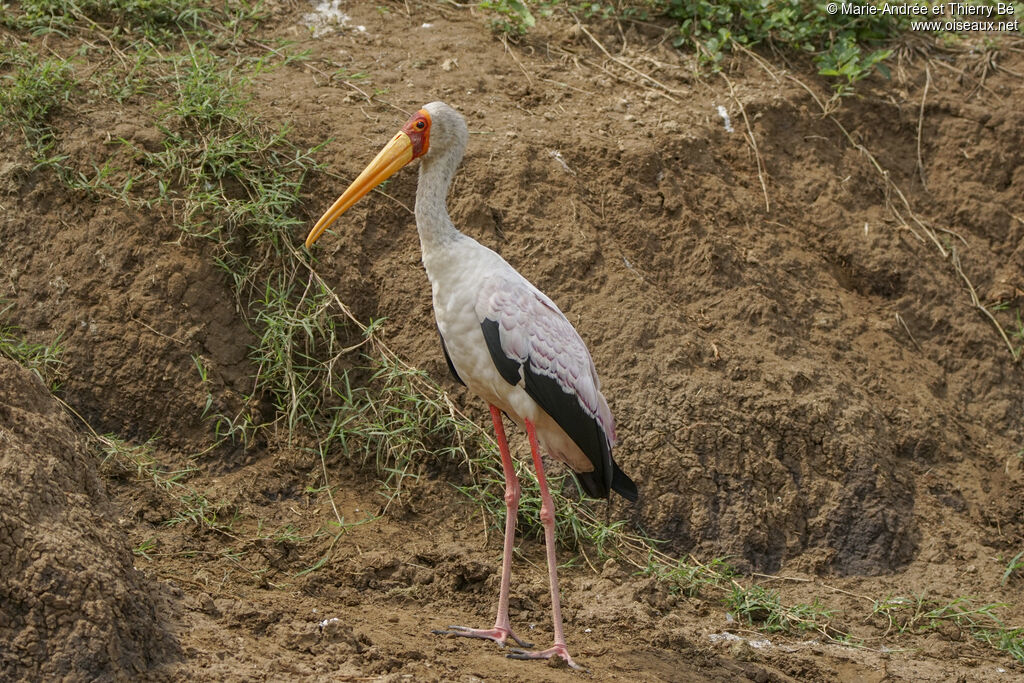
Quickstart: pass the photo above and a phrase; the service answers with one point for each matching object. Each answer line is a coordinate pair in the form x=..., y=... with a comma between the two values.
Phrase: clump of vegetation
x=845, y=46
x=44, y=360
x=764, y=608
x=924, y=615
x=156, y=20
x=1015, y=567
x=512, y=17
x=33, y=88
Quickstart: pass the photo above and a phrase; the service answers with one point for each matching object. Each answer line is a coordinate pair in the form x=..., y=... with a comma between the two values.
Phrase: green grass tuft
x=924, y=615
x=763, y=608
x=44, y=360
x=154, y=20
x=30, y=92
x=1015, y=567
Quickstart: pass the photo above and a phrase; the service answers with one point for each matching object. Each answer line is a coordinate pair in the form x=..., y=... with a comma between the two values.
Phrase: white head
x=446, y=132
x=436, y=133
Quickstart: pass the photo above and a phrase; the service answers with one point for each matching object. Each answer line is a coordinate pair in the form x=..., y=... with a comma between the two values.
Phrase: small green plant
x=1008, y=640
x=1017, y=335
x=44, y=360
x=762, y=607
x=145, y=548
x=837, y=41
x=155, y=21
x=33, y=89
x=849, y=62
x=1015, y=567
x=513, y=18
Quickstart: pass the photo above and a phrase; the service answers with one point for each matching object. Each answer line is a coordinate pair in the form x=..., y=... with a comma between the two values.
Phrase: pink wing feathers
x=532, y=328
x=534, y=346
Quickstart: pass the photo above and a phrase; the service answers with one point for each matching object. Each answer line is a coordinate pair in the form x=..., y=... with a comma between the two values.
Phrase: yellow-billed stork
x=504, y=340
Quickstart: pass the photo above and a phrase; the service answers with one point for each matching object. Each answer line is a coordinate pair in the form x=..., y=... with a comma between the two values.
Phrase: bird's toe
x=496, y=634
x=558, y=652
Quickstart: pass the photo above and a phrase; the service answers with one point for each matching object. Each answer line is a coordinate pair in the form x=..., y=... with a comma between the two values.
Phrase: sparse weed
x=139, y=460
x=691, y=579
x=763, y=608
x=1009, y=640
x=289, y=534
x=752, y=604
x=145, y=548
x=1017, y=335
x=44, y=360
x=922, y=615
x=513, y=17
x=194, y=507
x=1015, y=567
x=30, y=92
x=240, y=429
x=122, y=20
x=204, y=375
x=919, y=613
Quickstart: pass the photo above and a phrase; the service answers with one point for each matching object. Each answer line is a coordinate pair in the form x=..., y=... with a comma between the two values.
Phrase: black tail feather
x=622, y=484
x=595, y=487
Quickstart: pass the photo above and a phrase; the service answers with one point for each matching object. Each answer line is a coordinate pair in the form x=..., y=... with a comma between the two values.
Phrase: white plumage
x=505, y=340
x=533, y=333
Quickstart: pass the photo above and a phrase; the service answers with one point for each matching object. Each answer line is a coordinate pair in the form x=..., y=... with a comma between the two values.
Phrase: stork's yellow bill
x=409, y=143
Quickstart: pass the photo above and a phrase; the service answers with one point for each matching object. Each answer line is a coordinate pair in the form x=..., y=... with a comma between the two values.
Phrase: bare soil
x=800, y=379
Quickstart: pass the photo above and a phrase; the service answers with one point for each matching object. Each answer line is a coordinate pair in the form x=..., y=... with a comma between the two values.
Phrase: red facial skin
x=418, y=130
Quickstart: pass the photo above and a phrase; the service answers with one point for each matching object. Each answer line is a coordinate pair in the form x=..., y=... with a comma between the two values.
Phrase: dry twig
x=920, y=124
x=667, y=91
x=753, y=142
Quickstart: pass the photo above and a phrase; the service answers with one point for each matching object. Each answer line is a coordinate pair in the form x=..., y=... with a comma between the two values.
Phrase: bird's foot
x=557, y=650
x=498, y=634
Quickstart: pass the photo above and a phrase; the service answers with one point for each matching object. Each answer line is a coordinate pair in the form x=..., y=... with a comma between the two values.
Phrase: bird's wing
x=447, y=357
x=534, y=346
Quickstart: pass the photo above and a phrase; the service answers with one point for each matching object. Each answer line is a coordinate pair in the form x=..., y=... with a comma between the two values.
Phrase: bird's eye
x=420, y=125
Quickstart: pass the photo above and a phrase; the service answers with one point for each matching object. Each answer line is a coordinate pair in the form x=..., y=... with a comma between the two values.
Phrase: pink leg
x=547, y=518
x=502, y=627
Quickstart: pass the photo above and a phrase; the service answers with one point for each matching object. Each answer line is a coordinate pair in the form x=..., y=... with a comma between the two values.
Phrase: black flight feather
x=565, y=408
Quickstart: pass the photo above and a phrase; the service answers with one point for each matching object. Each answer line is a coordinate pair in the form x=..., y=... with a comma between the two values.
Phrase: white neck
x=432, y=221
